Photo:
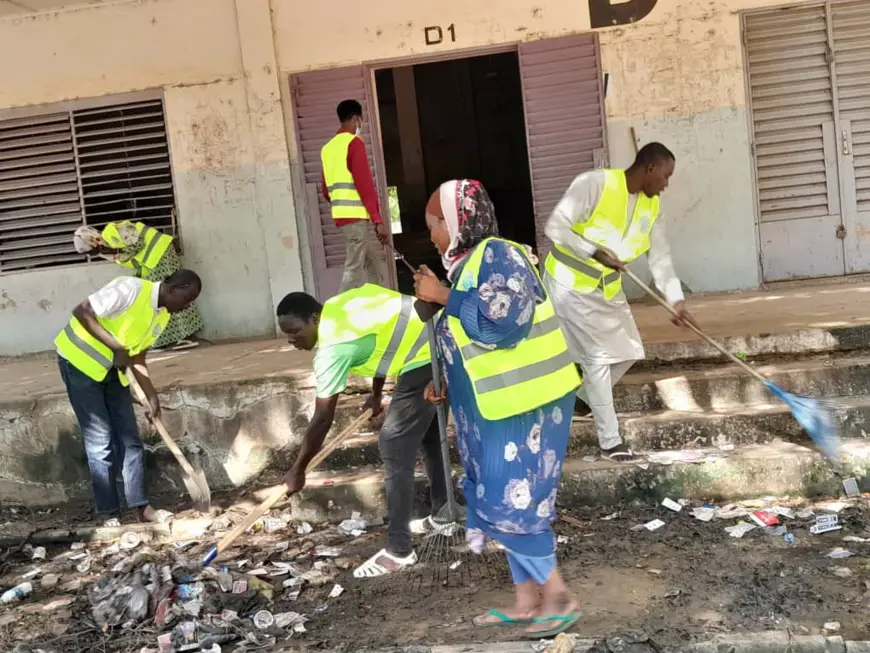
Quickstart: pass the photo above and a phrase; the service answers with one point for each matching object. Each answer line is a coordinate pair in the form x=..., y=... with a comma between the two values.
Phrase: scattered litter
x=654, y=525
x=610, y=517
x=84, y=566
x=304, y=528
x=806, y=513
x=840, y=552
x=825, y=524
x=49, y=581
x=731, y=511
x=850, y=487
x=855, y=538
x=30, y=575
x=590, y=459
x=670, y=504
x=263, y=619
x=355, y=526
x=781, y=511
x=130, y=540
x=789, y=539
x=832, y=626
x=286, y=619
x=77, y=546
x=562, y=539
x=776, y=531
x=455, y=565
x=835, y=506
x=282, y=546
x=240, y=586
x=740, y=529
x=841, y=572
x=692, y=456
x=337, y=591
x=273, y=524
x=670, y=594
x=38, y=553
x=327, y=552
x=763, y=518
x=704, y=513
x=655, y=572
x=16, y=593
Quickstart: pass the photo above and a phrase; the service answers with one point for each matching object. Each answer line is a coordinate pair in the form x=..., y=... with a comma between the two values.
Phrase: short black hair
x=183, y=278
x=348, y=109
x=299, y=304
x=652, y=153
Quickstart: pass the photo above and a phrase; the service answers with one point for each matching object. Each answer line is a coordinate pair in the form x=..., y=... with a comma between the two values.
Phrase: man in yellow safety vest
x=108, y=333
x=372, y=332
x=606, y=219
x=347, y=185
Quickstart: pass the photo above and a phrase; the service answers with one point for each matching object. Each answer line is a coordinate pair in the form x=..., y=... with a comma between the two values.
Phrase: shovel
x=194, y=479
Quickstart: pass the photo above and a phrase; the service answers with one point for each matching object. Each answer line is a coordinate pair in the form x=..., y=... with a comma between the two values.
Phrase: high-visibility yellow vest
x=136, y=329
x=534, y=373
x=609, y=226
x=400, y=335
x=155, y=244
x=343, y=196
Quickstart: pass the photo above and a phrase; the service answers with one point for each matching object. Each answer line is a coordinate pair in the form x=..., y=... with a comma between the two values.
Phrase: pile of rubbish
x=134, y=590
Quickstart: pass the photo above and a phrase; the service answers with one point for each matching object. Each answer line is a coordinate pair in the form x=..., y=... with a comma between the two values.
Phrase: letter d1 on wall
x=608, y=13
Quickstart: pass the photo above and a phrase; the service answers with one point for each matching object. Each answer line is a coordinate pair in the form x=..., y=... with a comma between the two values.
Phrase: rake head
x=445, y=559
x=818, y=417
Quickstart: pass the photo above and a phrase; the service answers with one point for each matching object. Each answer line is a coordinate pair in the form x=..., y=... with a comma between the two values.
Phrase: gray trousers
x=410, y=425
x=362, y=264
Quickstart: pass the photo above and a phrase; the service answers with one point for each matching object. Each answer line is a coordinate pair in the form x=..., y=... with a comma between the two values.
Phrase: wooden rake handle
x=670, y=309
x=158, y=424
x=279, y=492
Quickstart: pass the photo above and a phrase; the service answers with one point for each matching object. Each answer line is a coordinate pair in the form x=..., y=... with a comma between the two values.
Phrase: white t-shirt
x=117, y=296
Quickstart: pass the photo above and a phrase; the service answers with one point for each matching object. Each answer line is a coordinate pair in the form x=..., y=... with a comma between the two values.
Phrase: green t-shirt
x=332, y=364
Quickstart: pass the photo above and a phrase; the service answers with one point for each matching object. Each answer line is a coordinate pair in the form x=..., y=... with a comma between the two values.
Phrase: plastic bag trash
x=704, y=514
x=304, y=528
x=839, y=553
x=355, y=527
x=731, y=511
x=781, y=511
x=654, y=525
x=739, y=530
x=193, y=608
x=670, y=504
x=336, y=591
x=285, y=619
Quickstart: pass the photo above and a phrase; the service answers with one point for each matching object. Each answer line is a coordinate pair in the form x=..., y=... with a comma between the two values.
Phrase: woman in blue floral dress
x=512, y=466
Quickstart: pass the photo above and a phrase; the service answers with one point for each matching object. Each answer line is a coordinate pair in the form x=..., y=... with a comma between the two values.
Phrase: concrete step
x=722, y=385
x=750, y=471
x=667, y=430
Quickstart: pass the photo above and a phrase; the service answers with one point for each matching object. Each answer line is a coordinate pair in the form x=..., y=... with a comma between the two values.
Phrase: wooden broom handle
x=670, y=309
x=279, y=492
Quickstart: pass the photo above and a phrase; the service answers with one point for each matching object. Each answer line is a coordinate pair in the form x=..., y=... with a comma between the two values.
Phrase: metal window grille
x=80, y=165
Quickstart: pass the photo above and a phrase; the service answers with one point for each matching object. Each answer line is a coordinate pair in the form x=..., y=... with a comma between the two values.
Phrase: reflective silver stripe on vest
x=417, y=346
x=86, y=347
x=472, y=349
x=526, y=373
x=583, y=268
x=341, y=185
x=152, y=243
x=396, y=337
x=346, y=203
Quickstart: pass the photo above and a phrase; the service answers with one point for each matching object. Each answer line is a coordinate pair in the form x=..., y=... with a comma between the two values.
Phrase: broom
x=817, y=416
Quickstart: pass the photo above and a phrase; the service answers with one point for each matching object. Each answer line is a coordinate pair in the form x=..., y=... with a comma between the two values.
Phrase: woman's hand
x=428, y=288
x=432, y=397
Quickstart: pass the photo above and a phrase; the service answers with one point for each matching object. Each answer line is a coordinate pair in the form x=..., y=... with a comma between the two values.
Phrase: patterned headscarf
x=470, y=216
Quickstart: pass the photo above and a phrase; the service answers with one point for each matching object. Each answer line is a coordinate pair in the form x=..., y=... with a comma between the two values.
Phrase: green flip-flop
x=566, y=621
x=503, y=620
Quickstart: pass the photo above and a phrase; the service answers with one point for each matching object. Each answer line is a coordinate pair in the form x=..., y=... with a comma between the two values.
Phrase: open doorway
x=461, y=118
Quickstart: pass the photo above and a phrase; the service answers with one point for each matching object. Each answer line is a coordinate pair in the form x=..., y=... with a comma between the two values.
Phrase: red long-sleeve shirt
x=358, y=164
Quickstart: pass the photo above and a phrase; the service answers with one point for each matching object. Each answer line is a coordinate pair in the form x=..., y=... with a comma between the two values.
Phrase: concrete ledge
x=772, y=642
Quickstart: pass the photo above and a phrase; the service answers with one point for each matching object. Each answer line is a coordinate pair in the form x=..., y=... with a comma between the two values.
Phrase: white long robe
x=601, y=331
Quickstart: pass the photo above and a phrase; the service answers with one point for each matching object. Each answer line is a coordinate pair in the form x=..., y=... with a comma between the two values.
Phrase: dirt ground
x=684, y=582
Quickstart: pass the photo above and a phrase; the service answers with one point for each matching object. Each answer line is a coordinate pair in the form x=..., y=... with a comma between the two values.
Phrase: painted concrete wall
x=216, y=63
x=676, y=76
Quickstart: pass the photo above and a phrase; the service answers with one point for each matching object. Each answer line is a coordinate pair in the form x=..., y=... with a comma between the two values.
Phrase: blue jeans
x=104, y=411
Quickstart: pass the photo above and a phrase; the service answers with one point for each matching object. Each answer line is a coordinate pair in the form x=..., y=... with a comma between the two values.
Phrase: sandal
x=566, y=621
x=619, y=454
x=503, y=620
x=372, y=569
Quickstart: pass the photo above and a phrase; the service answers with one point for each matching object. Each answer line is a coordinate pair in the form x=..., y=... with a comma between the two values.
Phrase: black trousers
x=410, y=424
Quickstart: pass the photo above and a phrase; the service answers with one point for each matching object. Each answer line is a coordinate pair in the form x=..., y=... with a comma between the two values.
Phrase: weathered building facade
x=205, y=117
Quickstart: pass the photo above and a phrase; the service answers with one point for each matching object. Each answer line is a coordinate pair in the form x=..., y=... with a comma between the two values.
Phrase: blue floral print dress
x=512, y=466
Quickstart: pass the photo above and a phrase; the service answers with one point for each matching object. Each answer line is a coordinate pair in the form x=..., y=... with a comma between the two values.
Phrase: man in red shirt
x=348, y=187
